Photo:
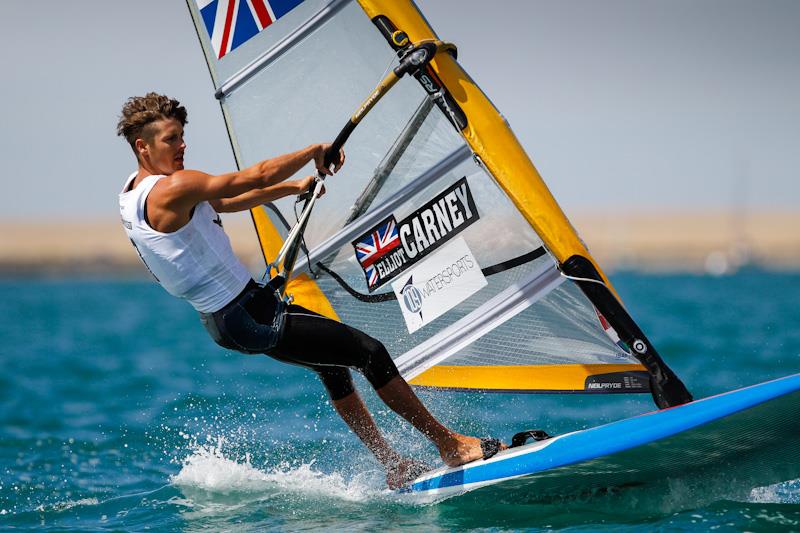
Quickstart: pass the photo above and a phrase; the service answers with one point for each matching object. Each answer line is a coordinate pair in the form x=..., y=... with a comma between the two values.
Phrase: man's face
x=164, y=153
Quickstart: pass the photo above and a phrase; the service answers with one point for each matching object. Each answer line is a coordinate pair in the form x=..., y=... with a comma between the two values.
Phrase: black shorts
x=257, y=322
x=251, y=323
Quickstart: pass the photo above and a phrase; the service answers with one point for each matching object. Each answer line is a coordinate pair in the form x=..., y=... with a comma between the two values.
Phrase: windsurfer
x=171, y=216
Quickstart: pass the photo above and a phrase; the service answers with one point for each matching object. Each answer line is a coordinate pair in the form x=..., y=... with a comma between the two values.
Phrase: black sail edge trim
x=388, y=296
x=367, y=298
x=667, y=388
x=515, y=262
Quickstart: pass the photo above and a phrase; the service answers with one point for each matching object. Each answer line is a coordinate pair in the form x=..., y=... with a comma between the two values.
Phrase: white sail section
x=410, y=191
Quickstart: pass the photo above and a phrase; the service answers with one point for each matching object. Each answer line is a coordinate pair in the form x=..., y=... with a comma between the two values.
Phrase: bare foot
x=462, y=449
x=403, y=471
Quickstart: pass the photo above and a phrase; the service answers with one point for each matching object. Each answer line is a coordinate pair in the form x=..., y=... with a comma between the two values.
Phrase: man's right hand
x=307, y=184
x=319, y=159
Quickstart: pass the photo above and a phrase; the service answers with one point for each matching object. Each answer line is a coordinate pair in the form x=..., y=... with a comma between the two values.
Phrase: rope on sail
x=388, y=296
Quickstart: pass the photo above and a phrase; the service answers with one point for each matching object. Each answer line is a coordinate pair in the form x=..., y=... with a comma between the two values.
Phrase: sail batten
x=386, y=167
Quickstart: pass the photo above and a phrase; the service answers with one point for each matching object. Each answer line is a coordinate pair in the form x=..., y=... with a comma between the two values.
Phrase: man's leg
x=339, y=384
x=399, y=470
x=318, y=342
x=455, y=449
x=355, y=414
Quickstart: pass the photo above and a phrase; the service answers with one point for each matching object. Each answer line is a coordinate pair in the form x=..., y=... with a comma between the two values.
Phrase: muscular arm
x=257, y=197
x=189, y=187
x=170, y=203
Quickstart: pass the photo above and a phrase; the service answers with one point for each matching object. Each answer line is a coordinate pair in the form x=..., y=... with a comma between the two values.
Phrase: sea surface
x=117, y=412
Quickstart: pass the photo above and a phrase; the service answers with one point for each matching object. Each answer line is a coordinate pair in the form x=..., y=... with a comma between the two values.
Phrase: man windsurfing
x=171, y=217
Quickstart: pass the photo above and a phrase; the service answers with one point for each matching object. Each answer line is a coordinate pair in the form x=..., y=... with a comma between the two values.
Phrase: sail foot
x=667, y=389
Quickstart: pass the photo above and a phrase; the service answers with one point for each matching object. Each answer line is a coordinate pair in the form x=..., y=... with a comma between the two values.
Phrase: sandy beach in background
x=665, y=241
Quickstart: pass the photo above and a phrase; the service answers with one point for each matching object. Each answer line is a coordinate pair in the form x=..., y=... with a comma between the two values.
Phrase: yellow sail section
x=305, y=290
x=491, y=138
x=555, y=378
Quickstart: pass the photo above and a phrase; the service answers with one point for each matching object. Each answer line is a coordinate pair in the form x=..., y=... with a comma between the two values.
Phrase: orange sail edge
x=304, y=290
x=608, y=378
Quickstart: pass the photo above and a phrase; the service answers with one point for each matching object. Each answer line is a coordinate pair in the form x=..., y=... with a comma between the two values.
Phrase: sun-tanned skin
x=169, y=207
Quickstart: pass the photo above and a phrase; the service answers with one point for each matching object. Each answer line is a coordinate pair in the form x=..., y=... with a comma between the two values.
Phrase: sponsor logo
x=428, y=84
x=391, y=247
x=617, y=381
x=604, y=386
x=428, y=79
x=438, y=284
x=217, y=221
x=412, y=297
x=368, y=103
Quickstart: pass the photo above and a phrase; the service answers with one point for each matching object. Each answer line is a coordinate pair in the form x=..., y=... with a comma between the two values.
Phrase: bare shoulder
x=186, y=178
x=181, y=187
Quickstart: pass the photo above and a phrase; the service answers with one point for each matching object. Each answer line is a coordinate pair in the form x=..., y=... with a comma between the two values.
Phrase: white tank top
x=196, y=262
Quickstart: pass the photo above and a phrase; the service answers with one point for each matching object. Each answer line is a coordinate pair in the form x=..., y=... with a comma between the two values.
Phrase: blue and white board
x=752, y=434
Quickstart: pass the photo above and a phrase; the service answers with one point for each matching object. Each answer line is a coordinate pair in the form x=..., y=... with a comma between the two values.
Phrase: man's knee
x=379, y=368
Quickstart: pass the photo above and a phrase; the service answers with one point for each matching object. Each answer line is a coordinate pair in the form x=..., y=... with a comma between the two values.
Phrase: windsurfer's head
x=153, y=126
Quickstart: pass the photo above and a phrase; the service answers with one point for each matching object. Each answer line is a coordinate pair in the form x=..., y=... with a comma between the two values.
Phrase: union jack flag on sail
x=373, y=246
x=231, y=23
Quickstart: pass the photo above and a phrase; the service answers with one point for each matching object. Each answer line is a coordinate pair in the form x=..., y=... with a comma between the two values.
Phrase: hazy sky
x=621, y=104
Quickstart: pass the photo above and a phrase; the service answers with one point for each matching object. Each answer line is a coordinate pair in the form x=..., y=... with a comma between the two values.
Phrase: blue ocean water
x=118, y=413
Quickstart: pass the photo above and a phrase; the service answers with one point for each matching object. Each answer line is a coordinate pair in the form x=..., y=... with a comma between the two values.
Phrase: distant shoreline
x=716, y=243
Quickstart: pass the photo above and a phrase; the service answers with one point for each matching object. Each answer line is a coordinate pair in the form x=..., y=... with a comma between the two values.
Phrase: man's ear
x=141, y=147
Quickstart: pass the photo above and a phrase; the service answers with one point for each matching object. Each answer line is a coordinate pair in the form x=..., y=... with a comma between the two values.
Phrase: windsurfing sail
x=438, y=237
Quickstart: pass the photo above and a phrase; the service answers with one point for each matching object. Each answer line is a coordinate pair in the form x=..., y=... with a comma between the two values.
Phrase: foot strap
x=522, y=437
x=490, y=447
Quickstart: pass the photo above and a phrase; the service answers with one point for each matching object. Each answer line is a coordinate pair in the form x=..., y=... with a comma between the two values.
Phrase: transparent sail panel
x=384, y=320
x=410, y=186
x=432, y=141
x=307, y=95
x=561, y=327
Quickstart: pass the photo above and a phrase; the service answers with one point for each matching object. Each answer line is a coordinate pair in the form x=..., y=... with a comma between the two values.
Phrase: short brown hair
x=141, y=111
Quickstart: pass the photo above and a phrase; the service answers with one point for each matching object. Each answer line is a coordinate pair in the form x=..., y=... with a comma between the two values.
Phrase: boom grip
x=332, y=153
x=331, y=157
